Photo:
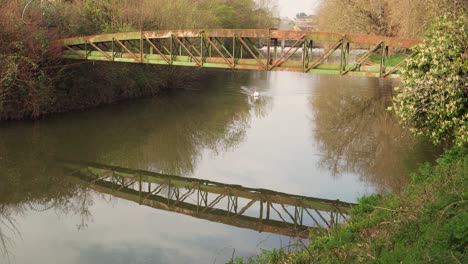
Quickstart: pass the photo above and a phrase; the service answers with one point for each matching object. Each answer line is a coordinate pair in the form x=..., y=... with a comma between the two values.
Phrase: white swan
x=253, y=93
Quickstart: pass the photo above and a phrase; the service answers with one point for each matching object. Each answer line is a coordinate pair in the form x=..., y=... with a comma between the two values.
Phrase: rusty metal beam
x=126, y=185
x=399, y=65
x=187, y=50
x=100, y=50
x=246, y=207
x=157, y=50
x=193, y=46
x=156, y=190
x=177, y=48
x=224, y=48
x=251, y=33
x=255, y=48
x=218, y=51
x=362, y=59
x=249, y=50
x=286, y=55
x=279, y=214
x=325, y=55
x=214, y=202
x=126, y=49
x=76, y=52
x=313, y=218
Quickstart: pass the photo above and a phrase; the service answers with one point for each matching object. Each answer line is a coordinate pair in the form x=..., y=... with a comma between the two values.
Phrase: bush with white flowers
x=433, y=98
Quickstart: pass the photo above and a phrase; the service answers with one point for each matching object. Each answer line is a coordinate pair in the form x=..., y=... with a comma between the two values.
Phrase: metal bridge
x=258, y=209
x=243, y=49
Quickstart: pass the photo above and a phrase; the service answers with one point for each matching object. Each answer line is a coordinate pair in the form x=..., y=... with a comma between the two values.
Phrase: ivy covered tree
x=433, y=98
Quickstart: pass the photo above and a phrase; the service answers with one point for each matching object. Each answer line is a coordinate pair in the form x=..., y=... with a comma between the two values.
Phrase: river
x=319, y=136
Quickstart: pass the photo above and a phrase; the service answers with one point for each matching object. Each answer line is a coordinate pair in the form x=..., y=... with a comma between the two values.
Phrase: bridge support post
x=275, y=51
x=344, y=56
x=171, y=47
x=261, y=211
x=201, y=48
x=304, y=54
x=383, y=60
x=268, y=58
x=86, y=49
x=234, y=60
x=268, y=211
x=112, y=47
x=141, y=47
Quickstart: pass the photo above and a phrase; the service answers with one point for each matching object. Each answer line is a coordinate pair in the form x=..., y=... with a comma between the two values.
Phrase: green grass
x=427, y=223
x=392, y=60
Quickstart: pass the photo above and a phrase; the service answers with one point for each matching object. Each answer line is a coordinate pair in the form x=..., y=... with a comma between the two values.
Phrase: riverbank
x=426, y=223
x=36, y=82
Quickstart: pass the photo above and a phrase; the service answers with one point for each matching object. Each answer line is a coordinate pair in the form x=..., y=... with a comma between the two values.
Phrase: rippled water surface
x=325, y=137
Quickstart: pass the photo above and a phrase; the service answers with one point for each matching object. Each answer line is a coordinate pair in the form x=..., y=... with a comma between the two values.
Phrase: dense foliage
x=402, y=18
x=433, y=98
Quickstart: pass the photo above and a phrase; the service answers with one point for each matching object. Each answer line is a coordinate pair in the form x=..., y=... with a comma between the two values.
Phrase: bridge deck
x=239, y=49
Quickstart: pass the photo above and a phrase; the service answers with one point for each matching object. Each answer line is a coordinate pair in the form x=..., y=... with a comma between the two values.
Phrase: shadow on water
x=357, y=135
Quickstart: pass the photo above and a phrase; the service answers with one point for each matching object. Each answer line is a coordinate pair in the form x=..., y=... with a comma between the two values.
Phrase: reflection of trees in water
x=358, y=135
x=8, y=230
x=167, y=134
x=30, y=182
x=170, y=134
x=262, y=106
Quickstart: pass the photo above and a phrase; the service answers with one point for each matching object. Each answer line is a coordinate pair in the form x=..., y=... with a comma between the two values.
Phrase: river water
x=317, y=136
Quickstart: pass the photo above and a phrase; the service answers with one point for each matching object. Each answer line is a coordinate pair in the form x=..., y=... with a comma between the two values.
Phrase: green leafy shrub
x=433, y=99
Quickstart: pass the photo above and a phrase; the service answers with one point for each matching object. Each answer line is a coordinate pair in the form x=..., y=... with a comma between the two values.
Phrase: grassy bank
x=427, y=223
x=392, y=60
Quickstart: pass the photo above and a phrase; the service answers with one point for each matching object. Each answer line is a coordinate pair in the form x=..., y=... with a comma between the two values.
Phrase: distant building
x=305, y=22
x=286, y=24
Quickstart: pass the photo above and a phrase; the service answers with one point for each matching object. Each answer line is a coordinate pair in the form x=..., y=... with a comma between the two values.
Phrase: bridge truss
x=258, y=209
x=242, y=49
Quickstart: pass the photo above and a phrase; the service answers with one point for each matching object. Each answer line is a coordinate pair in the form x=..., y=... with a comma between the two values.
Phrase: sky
x=290, y=8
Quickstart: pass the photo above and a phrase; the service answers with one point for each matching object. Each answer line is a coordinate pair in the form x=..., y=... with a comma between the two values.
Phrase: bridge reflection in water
x=258, y=209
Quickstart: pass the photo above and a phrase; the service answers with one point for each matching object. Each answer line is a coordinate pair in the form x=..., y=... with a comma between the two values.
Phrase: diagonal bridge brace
x=326, y=55
x=224, y=48
x=288, y=55
x=168, y=61
x=76, y=52
x=193, y=46
x=100, y=50
x=127, y=50
x=187, y=50
x=249, y=50
x=218, y=51
x=399, y=65
x=363, y=58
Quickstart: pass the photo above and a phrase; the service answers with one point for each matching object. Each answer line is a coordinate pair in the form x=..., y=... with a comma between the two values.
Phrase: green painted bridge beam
x=237, y=49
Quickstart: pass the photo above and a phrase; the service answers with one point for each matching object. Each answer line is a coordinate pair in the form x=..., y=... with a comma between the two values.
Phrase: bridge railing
x=259, y=209
x=241, y=49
